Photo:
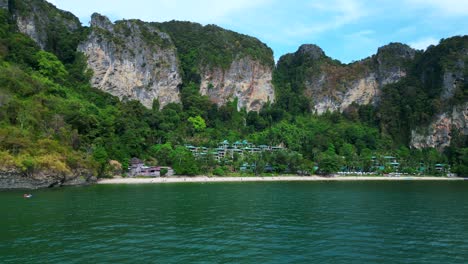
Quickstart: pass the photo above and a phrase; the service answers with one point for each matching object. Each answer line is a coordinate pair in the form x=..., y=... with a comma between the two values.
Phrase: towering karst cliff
x=443, y=71
x=132, y=60
x=42, y=22
x=332, y=86
x=246, y=79
x=135, y=60
x=227, y=65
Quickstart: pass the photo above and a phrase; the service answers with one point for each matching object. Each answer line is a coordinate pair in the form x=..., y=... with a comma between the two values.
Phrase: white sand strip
x=267, y=179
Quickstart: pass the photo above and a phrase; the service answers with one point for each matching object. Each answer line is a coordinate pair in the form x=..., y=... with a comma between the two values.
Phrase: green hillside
x=53, y=122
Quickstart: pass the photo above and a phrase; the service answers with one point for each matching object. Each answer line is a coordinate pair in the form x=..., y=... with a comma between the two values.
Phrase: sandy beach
x=268, y=179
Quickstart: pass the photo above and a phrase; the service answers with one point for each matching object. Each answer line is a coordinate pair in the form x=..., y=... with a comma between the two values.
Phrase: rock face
x=246, y=79
x=390, y=62
x=12, y=179
x=332, y=86
x=439, y=133
x=132, y=60
x=454, y=80
x=338, y=86
x=38, y=19
x=226, y=64
x=363, y=90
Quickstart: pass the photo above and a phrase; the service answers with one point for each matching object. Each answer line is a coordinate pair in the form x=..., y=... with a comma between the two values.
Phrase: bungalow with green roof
x=224, y=144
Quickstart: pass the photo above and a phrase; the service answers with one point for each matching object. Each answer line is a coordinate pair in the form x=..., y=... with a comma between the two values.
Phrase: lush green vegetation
x=404, y=106
x=208, y=46
x=47, y=107
x=52, y=120
x=416, y=99
x=59, y=31
x=413, y=101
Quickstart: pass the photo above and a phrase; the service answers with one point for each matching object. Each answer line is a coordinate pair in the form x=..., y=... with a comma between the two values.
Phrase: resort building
x=138, y=168
x=226, y=150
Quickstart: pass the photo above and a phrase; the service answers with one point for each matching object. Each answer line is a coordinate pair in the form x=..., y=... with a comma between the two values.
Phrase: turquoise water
x=281, y=222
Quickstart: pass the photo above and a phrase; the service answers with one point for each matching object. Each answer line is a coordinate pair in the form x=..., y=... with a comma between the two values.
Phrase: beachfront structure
x=379, y=164
x=138, y=168
x=439, y=167
x=391, y=162
x=226, y=150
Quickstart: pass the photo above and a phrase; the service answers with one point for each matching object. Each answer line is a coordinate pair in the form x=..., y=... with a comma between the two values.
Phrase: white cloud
x=204, y=11
x=362, y=34
x=443, y=7
x=339, y=13
x=423, y=43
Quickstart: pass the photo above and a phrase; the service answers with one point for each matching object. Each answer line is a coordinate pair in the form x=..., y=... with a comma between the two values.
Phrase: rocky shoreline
x=16, y=180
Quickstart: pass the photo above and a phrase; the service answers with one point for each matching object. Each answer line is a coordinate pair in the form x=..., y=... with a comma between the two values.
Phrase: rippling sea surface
x=281, y=222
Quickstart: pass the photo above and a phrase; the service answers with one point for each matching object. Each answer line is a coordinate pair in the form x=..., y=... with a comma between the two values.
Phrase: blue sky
x=347, y=30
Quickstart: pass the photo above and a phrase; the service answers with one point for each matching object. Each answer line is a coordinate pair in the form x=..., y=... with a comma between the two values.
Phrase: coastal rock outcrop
x=246, y=79
x=132, y=60
x=14, y=179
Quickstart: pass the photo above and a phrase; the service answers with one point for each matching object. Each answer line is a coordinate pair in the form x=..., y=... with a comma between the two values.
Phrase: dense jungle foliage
x=52, y=119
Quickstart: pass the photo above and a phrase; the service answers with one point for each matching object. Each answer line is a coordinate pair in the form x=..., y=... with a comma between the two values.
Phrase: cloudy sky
x=347, y=30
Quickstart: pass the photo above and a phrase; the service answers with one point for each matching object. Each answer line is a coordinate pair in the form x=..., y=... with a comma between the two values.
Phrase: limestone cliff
x=454, y=88
x=440, y=132
x=144, y=61
x=332, y=86
x=132, y=60
x=135, y=60
x=246, y=79
x=42, y=21
x=227, y=64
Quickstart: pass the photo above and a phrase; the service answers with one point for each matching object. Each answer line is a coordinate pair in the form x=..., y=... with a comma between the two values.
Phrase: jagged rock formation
x=132, y=60
x=440, y=132
x=332, y=86
x=41, y=20
x=227, y=64
x=246, y=79
x=13, y=179
x=454, y=81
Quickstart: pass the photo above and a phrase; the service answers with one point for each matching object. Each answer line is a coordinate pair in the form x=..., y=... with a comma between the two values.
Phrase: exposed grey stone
x=100, y=21
x=13, y=179
x=311, y=50
x=334, y=86
x=438, y=133
x=246, y=79
x=128, y=65
x=39, y=15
